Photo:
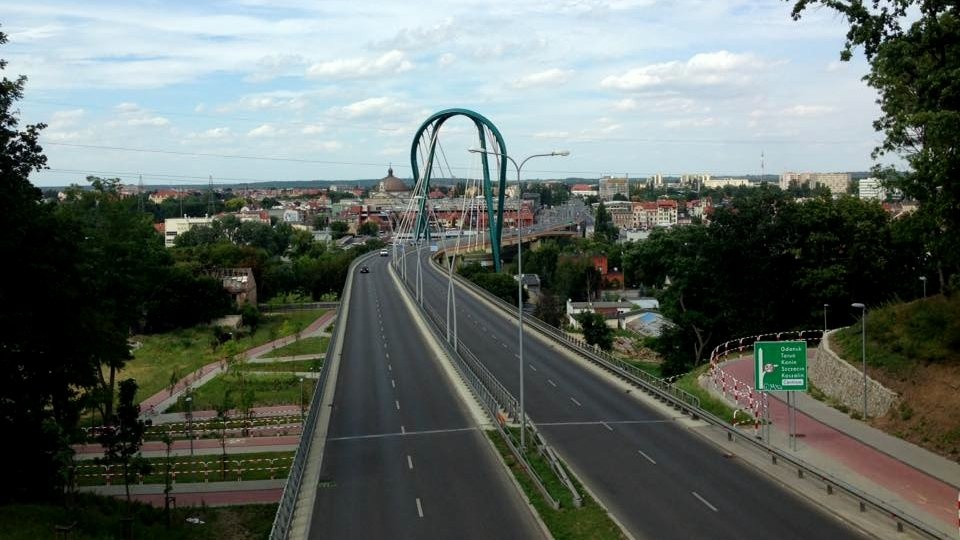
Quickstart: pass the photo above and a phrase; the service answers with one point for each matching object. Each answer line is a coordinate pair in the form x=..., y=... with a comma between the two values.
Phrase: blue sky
x=260, y=90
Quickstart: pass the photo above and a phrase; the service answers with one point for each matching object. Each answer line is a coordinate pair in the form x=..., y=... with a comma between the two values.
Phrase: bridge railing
x=291, y=489
x=500, y=405
x=269, y=308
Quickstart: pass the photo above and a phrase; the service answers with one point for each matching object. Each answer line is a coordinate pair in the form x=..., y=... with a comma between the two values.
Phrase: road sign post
x=780, y=365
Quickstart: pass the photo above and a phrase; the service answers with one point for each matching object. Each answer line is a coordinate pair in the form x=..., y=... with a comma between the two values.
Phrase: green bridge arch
x=494, y=217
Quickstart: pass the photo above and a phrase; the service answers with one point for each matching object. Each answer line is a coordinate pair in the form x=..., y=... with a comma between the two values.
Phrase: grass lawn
x=590, y=521
x=197, y=469
x=268, y=390
x=707, y=402
x=309, y=345
x=176, y=354
x=98, y=518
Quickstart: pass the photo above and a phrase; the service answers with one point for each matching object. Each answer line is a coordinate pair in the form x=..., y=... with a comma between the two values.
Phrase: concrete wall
x=844, y=383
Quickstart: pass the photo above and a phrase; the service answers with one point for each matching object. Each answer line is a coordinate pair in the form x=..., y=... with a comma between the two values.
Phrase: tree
x=913, y=48
x=595, y=330
x=122, y=440
x=338, y=229
x=603, y=228
x=369, y=228
x=223, y=410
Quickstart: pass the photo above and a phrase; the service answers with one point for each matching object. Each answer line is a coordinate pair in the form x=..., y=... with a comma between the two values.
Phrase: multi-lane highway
x=404, y=456
x=656, y=477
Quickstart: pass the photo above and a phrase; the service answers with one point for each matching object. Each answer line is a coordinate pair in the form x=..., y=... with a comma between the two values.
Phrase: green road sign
x=780, y=365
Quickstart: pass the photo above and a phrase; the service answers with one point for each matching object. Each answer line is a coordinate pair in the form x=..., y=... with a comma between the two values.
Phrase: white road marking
x=410, y=462
x=533, y=367
x=397, y=401
x=504, y=345
x=515, y=355
x=403, y=430
x=393, y=383
x=388, y=356
x=704, y=501
x=419, y=507
x=575, y=401
x=390, y=367
x=606, y=425
x=650, y=459
x=553, y=384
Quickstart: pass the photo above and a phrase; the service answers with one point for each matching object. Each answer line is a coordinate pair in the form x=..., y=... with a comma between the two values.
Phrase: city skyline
x=256, y=91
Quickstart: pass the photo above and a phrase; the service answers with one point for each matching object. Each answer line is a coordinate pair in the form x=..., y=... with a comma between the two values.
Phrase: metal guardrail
x=291, y=489
x=684, y=400
x=306, y=306
x=496, y=398
x=690, y=404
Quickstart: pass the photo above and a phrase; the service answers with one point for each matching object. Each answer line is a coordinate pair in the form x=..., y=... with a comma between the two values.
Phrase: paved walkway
x=240, y=445
x=905, y=475
x=155, y=404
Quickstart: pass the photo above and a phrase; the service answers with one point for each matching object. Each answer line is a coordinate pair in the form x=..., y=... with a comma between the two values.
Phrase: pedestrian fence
x=500, y=405
x=197, y=470
x=307, y=306
x=690, y=404
x=275, y=426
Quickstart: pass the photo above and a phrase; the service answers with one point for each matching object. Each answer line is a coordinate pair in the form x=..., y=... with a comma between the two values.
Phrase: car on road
x=364, y=270
x=384, y=253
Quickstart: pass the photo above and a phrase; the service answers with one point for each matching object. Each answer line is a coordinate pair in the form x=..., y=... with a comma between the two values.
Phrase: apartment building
x=610, y=186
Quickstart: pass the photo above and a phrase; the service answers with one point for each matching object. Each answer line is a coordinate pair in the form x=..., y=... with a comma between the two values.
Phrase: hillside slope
x=914, y=349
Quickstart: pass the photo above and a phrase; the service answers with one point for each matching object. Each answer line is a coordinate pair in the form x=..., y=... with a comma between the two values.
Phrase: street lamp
x=301, y=399
x=863, y=350
x=924, y=280
x=523, y=416
x=189, y=400
x=825, y=306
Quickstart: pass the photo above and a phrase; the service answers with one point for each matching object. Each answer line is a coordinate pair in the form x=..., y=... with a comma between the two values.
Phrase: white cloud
x=554, y=134
x=716, y=68
x=65, y=118
x=272, y=66
x=835, y=65
x=707, y=121
x=264, y=130
x=330, y=146
x=423, y=38
x=128, y=107
x=156, y=121
x=212, y=133
x=391, y=62
x=312, y=129
x=800, y=111
x=447, y=59
x=369, y=107
x=627, y=104
x=550, y=77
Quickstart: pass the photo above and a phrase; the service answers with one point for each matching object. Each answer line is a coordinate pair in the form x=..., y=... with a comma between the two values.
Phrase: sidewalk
x=247, y=445
x=905, y=475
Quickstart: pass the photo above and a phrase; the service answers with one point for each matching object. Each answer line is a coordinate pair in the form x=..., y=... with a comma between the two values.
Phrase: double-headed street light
x=863, y=349
x=523, y=415
x=825, y=306
x=924, y=280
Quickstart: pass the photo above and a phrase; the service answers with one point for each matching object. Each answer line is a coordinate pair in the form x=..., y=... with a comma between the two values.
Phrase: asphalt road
x=403, y=456
x=659, y=480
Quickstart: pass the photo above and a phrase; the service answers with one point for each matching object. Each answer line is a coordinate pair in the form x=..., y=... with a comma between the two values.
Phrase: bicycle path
x=860, y=454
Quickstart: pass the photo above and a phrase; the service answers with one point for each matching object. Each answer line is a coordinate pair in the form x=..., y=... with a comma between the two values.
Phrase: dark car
x=364, y=270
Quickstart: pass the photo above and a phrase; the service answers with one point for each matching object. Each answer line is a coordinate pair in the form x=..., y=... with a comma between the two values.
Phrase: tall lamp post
x=924, y=280
x=189, y=400
x=523, y=416
x=301, y=399
x=825, y=306
x=863, y=350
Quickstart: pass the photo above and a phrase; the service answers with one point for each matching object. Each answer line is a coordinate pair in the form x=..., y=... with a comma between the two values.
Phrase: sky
x=239, y=91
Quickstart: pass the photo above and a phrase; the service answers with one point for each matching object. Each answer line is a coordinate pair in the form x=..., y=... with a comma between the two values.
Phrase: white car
x=384, y=253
